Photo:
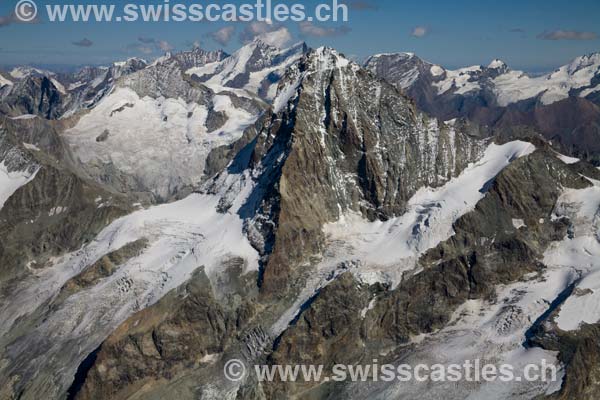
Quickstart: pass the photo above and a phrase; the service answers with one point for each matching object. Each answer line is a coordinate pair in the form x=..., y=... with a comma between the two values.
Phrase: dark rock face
x=579, y=352
x=573, y=125
x=460, y=269
x=50, y=189
x=165, y=79
x=346, y=141
x=54, y=189
x=179, y=333
x=33, y=95
x=13, y=157
x=331, y=327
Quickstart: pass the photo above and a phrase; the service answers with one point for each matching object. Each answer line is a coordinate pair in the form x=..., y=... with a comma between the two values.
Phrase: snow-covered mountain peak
x=162, y=59
x=591, y=61
x=498, y=65
x=325, y=58
x=403, y=68
x=496, y=81
x=129, y=61
x=257, y=67
x=24, y=72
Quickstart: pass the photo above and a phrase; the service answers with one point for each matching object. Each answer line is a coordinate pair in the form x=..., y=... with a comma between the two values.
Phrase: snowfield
x=492, y=332
x=4, y=81
x=515, y=86
x=459, y=79
x=579, y=251
x=10, y=182
x=162, y=143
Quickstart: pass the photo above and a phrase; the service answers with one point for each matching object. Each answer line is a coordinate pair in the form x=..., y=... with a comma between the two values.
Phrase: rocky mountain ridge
x=322, y=220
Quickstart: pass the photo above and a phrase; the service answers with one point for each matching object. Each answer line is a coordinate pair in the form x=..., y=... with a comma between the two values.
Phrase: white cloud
x=567, y=35
x=310, y=29
x=145, y=49
x=274, y=35
x=164, y=45
x=223, y=36
x=256, y=28
x=149, y=45
x=419, y=31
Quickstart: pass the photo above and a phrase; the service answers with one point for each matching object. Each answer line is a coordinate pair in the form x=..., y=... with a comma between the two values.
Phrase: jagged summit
x=256, y=67
x=496, y=80
x=325, y=58
x=27, y=71
x=497, y=64
x=591, y=60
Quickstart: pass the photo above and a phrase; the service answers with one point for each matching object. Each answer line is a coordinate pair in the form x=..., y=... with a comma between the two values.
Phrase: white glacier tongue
x=492, y=332
x=579, y=251
x=183, y=236
x=393, y=246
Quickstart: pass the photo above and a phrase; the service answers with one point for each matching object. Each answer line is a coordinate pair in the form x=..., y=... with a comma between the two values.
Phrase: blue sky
x=534, y=35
